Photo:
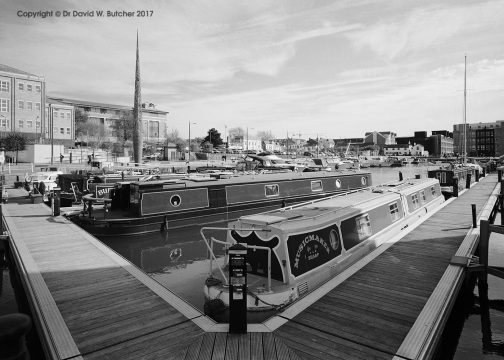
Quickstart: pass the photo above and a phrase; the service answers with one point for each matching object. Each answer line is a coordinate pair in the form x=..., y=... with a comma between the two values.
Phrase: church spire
x=137, y=112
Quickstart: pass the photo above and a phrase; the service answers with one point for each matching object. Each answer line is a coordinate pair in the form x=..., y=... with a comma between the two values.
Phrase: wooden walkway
x=90, y=303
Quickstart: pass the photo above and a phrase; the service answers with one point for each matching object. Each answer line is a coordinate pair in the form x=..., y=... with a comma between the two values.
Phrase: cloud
x=422, y=28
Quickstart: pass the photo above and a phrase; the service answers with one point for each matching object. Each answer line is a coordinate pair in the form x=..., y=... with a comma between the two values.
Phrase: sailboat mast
x=465, y=104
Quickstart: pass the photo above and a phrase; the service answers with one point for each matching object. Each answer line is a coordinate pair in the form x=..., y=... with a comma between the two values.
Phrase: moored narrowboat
x=292, y=251
x=446, y=178
x=147, y=206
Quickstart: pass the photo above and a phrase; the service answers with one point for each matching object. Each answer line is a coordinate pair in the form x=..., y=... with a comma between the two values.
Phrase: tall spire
x=137, y=112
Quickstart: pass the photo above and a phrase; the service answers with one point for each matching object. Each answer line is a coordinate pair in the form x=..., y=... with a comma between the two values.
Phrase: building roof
x=85, y=103
x=10, y=69
x=394, y=146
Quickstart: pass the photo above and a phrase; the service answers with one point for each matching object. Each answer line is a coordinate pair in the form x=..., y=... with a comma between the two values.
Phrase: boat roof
x=198, y=181
x=334, y=207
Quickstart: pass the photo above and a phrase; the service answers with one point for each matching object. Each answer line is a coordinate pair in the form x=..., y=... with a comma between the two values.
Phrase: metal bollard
x=499, y=175
x=56, y=201
x=473, y=209
x=455, y=191
x=400, y=176
x=468, y=181
x=477, y=177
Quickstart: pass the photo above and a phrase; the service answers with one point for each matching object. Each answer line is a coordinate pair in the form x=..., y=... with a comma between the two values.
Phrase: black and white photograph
x=221, y=179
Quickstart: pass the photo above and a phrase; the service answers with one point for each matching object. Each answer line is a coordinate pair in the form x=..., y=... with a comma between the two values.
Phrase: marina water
x=178, y=260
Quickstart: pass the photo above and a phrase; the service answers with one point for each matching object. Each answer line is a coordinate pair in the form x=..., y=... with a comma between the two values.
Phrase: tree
x=213, y=137
x=81, y=120
x=124, y=127
x=265, y=135
x=236, y=132
x=174, y=138
x=311, y=142
x=14, y=142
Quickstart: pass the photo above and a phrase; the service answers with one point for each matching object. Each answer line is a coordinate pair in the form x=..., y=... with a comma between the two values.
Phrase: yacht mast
x=465, y=104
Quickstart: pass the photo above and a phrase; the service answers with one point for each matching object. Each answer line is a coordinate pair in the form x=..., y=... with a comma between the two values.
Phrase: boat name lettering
x=308, y=239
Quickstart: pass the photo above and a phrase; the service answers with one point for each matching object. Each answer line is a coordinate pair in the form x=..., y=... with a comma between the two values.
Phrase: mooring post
x=455, y=187
x=477, y=177
x=468, y=181
x=484, y=171
x=499, y=175
x=483, y=243
x=400, y=176
x=473, y=208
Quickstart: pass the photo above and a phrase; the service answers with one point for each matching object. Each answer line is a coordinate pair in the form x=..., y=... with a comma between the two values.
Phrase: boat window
x=338, y=183
x=363, y=226
x=438, y=176
x=394, y=211
x=363, y=181
x=271, y=190
x=433, y=191
x=414, y=200
x=316, y=185
x=422, y=196
x=443, y=177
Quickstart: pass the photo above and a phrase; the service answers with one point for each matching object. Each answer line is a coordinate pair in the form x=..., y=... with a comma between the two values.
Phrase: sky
x=302, y=68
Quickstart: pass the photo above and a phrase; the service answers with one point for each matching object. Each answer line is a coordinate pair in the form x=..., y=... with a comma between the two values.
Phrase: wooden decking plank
x=207, y=346
x=232, y=346
x=282, y=351
x=269, y=349
x=193, y=348
x=244, y=347
x=256, y=347
x=219, y=351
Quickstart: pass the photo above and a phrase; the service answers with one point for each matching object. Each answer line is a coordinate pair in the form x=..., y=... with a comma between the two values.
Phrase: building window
x=4, y=105
x=20, y=104
x=271, y=190
x=29, y=124
x=29, y=105
x=55, y=129
x=37, y=106
x=68, y=115
x=68, y=131
x=414, y=200
x=4, y=86
x=422, y=196
x=394, y=211
x=21, y=124
x=55, y=114
x=37, y=88
x=37, y=124
x=28, y=87
x=433, y=191
x=62, y=131
x=3, y=122
x=21, y=87
x=363, y=226
x=317, y=185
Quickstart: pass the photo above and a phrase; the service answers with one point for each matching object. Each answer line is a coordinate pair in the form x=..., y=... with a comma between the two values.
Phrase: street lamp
x=189, y=148
x=226, y=145
x=52, y=135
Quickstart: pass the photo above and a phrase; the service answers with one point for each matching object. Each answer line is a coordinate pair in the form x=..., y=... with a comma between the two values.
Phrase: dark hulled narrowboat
x=146, y=206
x=446, y=178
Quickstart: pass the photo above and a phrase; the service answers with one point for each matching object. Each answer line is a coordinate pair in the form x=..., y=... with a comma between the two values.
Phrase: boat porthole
x=175, y=200
x=334, y=239
x=363, y=180
x=338, y=183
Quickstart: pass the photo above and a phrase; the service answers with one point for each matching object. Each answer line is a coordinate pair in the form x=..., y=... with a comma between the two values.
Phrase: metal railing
x=209, y=244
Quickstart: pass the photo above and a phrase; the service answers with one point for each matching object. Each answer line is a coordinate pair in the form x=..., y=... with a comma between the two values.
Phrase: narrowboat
x=446, y=178
x=141, y=207
x=292, y=251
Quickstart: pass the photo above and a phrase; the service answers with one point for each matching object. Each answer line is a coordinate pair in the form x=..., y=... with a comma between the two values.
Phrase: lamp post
x=225, y=138
x=52, y=136
x=189, y=149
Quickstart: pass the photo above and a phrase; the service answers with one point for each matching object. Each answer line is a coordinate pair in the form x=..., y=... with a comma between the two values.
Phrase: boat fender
x=214, y=307
x=211, y=281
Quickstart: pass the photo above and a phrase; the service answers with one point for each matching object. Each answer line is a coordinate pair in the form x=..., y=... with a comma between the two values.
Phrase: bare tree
x=265, y=135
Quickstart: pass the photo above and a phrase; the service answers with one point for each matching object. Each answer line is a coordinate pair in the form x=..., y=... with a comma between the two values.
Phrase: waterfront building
x=439, y=143
x=105, y=115
x=22, y=102
x=60, y=120
x=483, y=138
x=380, y=138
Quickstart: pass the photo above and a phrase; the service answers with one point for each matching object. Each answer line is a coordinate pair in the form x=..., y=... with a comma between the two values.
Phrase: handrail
x=209, y=246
